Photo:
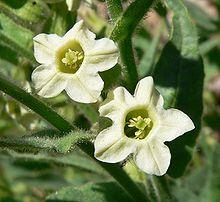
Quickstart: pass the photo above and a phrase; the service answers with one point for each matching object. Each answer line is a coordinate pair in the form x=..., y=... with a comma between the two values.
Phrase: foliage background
x=47, y=165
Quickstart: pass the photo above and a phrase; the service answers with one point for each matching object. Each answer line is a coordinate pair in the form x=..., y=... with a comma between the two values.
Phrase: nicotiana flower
x=72, y=63
x=140, y=127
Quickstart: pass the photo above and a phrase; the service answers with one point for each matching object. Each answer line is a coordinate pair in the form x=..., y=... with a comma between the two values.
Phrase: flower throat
x=70, y=57
x=138, y=124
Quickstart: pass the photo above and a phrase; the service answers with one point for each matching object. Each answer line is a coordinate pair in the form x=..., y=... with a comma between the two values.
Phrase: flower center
x=138, y=124
x=70, y=57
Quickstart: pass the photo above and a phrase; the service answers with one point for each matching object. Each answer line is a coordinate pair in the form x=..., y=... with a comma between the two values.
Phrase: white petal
x=48, y=82
x=80, y=33
x=153, y=157
x=103, y=56
x=45, y=46
x=42, y=75
x=173, y=123
x=85, y=88
x=146, y=93
x=116, y=101
x=109, y=109
x=111, y=147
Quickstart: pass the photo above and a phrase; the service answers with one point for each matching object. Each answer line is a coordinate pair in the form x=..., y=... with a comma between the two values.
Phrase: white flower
x=140, y=127
x=72, y=63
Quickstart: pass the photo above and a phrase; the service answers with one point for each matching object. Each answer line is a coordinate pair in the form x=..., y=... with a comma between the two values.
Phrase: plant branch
x=129, y=20
x=122, y=33
x=160, y=189
x=114, y=8
x=61, y=124
x=128, y=60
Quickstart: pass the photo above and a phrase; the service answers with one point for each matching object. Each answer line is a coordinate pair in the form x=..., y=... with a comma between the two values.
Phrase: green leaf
x=74, y=159
x=16, y=37
x=61, y=19
x=31, y=14
x=203, y=182
x=97, y=192
x=111, y=77
x=33, y=143
x=88, y=111
x=208, y=45
x=149, y=56
x=179, y=77
x=8, y=55
x=202, y=18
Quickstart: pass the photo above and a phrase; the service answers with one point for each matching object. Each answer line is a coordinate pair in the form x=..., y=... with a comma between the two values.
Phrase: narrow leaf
x=29, y=14
x=179, y=77
x=91, y=192
x=33, y=143
x=16, y=37
x=73, y=159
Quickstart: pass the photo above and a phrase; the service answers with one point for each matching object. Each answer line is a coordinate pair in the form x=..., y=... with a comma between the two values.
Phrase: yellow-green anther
x=141, y=124
x=72, y=58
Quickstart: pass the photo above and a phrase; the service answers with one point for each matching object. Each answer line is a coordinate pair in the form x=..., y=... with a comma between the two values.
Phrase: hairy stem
x=161, y=189
x=114, y=8
x=61, y=124
x=34, y=104
x=128, y=60
x=127, y=23
x=124, y=27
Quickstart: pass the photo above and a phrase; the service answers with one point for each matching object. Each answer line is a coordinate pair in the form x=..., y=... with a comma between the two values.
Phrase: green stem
x=128, y=60
x=34, y=104
x=122, y=33
x=120, y=176
x=114, y=8
x=160, y=189
x=61, y=124
x=130, y=19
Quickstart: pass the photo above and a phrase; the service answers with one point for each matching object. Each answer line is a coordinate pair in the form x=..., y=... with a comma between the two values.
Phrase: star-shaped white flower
x=72, y=63
x=140, y=127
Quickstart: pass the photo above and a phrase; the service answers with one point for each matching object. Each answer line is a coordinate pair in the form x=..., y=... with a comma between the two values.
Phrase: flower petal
x=48, y=82
x=146, y=93
x=85, y=88
x=42, y=75
x=173, y=123
x=153, y=157
x=80, y=33
x=45, y=46
x=111, y=147
x=103, y=56
x=116, y=101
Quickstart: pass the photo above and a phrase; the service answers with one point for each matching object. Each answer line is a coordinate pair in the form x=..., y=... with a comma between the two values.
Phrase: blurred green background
x=33, y=176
